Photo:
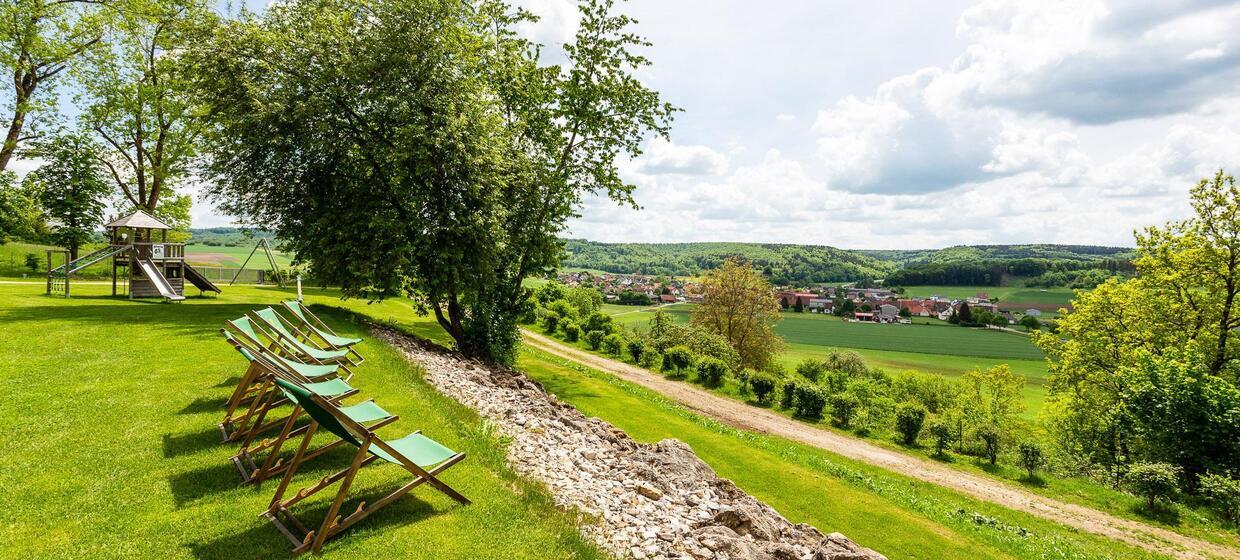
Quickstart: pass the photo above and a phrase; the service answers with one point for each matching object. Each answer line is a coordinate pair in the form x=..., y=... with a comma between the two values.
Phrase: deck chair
x=252, y=388
x=247, y=458
x=295, y=341
x=315, y=326
x=421, y=456
x=254, y=423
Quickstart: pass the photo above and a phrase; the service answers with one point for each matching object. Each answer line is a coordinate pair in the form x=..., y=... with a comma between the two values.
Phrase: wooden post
x=49, y=272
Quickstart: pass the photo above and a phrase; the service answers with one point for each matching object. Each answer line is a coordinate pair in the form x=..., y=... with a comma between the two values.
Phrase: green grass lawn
x=13, y=259
x=232, y=257
x=112, y=449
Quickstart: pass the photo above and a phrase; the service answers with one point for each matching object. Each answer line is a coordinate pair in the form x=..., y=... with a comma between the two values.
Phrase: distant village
x=875, y=305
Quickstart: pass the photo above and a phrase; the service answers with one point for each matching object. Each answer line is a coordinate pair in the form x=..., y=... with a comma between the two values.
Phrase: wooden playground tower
x=147, y=268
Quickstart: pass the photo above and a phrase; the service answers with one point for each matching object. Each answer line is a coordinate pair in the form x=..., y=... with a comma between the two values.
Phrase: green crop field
x=1012, y=295
x=232, y=257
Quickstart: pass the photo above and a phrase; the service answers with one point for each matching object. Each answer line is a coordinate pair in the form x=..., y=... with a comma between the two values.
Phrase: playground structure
x=271, y=260
x=145, y=267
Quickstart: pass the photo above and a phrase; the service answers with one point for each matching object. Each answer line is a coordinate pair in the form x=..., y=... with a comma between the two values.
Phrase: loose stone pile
x=650, y=501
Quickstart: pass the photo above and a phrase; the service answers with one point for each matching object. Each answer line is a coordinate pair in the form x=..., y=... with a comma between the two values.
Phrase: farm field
x=231, y=257
x=1010, y=297
x=113, y=451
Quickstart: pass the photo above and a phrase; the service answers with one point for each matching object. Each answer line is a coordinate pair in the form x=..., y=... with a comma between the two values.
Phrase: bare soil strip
x=746, y=417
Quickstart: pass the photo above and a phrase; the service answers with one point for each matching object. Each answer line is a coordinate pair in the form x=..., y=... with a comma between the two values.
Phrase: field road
x=746, y=417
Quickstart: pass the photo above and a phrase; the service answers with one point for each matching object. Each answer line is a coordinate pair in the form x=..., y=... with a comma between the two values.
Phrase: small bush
x=812, y=369
x=710, y=371
x=1153, y=481
x=594, y=339
x=1031, y=457
x=551, y=321
x=848, y=362
x=810, y=399
x=789, y=395
x=637, y=349
x=909, y=419
x=762, y=385
x=599, y=321
x=942, y=435
x=32, y=262
x=1223, y=493
x=613, y=344
x=843, y=407
x=992, y=439
x=571, y=331
x=677, y=359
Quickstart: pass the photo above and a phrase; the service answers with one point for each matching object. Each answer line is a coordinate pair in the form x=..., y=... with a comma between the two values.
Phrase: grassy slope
x=231, y=257
x=113, y=450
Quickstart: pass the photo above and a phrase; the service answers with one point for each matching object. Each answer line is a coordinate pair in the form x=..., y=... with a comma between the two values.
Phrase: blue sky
x=918, y=124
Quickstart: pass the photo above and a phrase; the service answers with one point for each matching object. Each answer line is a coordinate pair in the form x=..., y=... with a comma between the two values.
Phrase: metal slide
x=83, y=262
x=198, y=280
x=161, y=283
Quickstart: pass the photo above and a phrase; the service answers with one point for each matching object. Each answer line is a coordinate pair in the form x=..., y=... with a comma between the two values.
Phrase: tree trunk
x=24, y=89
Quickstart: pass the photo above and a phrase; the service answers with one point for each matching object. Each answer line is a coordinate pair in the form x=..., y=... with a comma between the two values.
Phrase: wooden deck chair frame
x=316, y=326
x=244, y=460
x=298, y=337
x=247, y=425
x=305, y=539
x=272, y=398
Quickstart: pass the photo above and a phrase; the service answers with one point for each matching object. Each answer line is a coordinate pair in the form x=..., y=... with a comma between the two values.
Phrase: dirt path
x=746, y=417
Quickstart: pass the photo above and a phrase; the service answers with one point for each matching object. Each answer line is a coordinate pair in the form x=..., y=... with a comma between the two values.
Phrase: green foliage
x=571, y=331
x=1030, y=322
x=942, y=435
x=1153, y=481
x=613, y=344
x=762, y=385
x=73, y=190
x=843, y=407
x=587, y=300
x=909, y=420
x=551, y=322
x=991, y=438
x=677, y=359
x=812, y=369
x=637, y=349
x=809, y=400
x=1223, y=492
x=788, y=393
x=1039, y=265
x=21, y=214
x=431, y=131
x=782, y=264
x=594, y=339
x=710, y=371
x=597, y=321
x=33, y=262
x=1031, y=457
x=848, y=362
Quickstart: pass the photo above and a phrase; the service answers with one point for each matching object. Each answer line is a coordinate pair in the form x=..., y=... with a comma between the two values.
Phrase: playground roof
x=138, y=219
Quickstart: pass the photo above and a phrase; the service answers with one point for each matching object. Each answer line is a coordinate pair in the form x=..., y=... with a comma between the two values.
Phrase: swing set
x=271, y=259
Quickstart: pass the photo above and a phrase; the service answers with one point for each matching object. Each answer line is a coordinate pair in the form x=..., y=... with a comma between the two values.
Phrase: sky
x=920, y=124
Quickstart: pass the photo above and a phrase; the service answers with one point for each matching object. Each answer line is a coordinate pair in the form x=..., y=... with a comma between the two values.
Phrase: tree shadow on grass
x=264, y=540
x=205, y=404
x=193, y=442
x=1160, y=512
x=1036, y=481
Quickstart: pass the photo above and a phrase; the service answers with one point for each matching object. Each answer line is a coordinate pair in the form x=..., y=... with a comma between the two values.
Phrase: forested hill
x=783, y=264
x=1039, y=265
x=228, y=236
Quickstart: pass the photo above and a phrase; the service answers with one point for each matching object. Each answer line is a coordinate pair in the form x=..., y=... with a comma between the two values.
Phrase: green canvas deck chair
x=250, y=398
x=422, y=457
x=248, y=458
x=269, y=397
x=296, y=342
x=315, y=326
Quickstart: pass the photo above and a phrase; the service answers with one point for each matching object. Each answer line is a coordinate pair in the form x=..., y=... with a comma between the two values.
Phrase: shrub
x=637, y=349
x=942, y=434
x=32, y=262
x=809, y=400
x=677, y=358
x=762, y=384
x=594, y=339
x=812, y=369
x=1153, y=481
x=843, y=407
x=551, y=321
x=613, y=344
x=909, y=419
x=991, y=441
x=1031, y=457
x=847, y=362
x=788, y=398
x=711, y=371
x=1224, y=493
x=571, y=331
x=598, y=322
x=649, y=359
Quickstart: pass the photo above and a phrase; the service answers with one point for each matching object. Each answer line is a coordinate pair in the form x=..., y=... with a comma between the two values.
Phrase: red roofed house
x=789, y=298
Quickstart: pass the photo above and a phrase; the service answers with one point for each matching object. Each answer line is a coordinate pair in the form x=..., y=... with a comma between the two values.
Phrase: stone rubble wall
x=649, y=501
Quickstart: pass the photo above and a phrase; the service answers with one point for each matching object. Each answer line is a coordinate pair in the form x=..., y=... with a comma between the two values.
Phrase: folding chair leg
x=329, y=522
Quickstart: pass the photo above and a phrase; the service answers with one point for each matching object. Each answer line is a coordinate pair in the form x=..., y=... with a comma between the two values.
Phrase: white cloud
x=557, y=21
x=662, y=156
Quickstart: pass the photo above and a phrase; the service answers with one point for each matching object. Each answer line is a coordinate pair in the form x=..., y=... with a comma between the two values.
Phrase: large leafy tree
x=73, y=189
x=39, y=39
x=136, y=96
x=419, y=147
x=1110, y=359
x=740, y=305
